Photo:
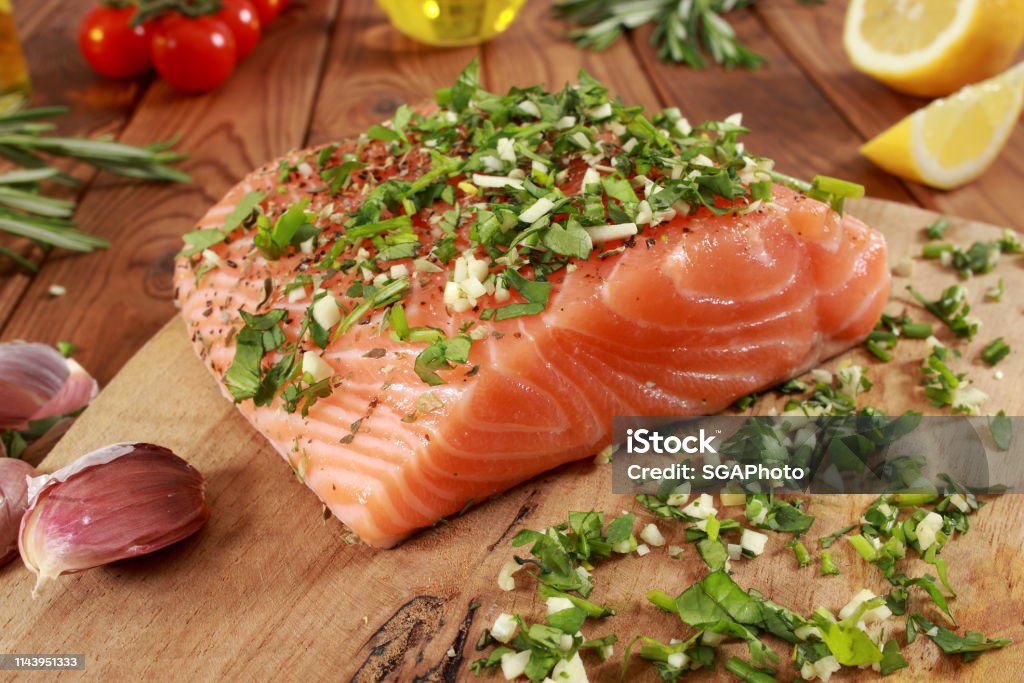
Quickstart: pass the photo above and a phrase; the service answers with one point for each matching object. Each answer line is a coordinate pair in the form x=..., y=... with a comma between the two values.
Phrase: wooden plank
x=791, y=121
x=268, y=590
x=813, y=38
x=119, y=298
x=372, y=69
x=60, y=76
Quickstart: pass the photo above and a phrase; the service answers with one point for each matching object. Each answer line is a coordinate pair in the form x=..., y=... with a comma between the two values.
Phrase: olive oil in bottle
x=451, y=22
x=14, y=83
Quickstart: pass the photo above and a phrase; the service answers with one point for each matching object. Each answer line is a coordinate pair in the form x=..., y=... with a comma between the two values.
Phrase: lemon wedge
x=932, y=47
x=953, y=140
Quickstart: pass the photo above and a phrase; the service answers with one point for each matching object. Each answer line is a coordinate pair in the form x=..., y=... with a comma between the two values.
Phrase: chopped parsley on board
x=566, y=560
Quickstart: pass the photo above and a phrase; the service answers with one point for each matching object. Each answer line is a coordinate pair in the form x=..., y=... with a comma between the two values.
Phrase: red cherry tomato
x=193, y=54
x=111, y=46
x=244, y=22
x=268, y=10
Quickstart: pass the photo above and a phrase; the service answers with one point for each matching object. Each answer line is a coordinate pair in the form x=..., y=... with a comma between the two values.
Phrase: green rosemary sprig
x=684, y=30
x=26, y=211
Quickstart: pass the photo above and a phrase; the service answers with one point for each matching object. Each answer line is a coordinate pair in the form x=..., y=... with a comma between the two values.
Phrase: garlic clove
x=78, y=391
x=36, y=382
x=14, y=476
x=29, y=375
x=120, y=501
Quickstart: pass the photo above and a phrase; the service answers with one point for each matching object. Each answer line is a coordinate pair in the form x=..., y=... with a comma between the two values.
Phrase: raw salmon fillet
x=692, y=314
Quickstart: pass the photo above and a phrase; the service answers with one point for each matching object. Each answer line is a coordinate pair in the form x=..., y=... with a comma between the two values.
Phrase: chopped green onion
x=995, y=351
x=876, y=349
x=834, y=191
x=914, y=499
x=952, y=309
x=803, y=557
x=917, y=330
x=934, y=251
x=863, y=547
x=996, y=293
x=936, y=229
x=828, y=567
x=748, y=672
x=381, y=297
x=66, y=348
x=827, y=541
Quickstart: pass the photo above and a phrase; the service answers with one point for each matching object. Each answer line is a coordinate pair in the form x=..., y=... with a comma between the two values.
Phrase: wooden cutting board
x=269, y=590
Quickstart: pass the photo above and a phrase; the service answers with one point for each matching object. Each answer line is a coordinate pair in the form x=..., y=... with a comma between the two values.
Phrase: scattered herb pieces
x=944, y=387
x=1001, y=428
x=995, y=351
x=536, y=295
x=827, y=541
x=748, y=672
x=996, y=293
x=260, y=335
x=543, y=651
x=828, y=566
x=561, y=550
x=803, y=558
x=936, y=229
x=848, y=643
x=952, y=309
x=889, y=331
x=970, y=646
x=291, y=228
x=672, y=660
x=442, y=354
x=892, y=659
x=66, y=348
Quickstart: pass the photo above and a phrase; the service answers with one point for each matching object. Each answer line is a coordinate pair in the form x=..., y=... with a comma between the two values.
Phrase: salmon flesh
x=464, y=297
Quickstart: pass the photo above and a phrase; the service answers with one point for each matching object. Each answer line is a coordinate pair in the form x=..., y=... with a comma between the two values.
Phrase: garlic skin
x=120, y=501
x=37, y=382
x=14, y=476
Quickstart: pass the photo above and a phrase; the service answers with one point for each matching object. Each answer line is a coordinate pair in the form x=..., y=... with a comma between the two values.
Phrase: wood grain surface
x=269, y=590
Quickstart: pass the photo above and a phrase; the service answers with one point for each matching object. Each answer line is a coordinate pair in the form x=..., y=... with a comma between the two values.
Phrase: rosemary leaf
x=684, y=30
x=25, y=211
